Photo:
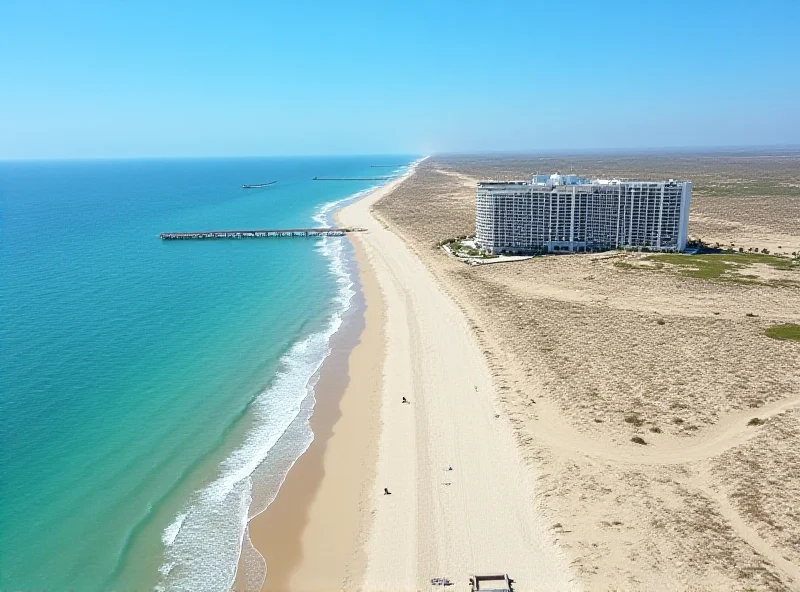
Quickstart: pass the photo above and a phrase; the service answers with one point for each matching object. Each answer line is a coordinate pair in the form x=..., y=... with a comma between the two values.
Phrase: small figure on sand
x=449, y=468
x=386, y=491
x=405, y=400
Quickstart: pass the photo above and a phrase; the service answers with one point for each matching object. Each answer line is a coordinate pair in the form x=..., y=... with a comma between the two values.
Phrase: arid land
x=590, y=351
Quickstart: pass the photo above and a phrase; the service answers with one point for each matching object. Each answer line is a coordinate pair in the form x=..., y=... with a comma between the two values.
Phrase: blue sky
x=195, y=78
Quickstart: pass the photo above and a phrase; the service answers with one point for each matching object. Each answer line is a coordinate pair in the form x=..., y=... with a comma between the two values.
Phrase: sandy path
x=746, y=531
x=731, y=431
x=481, y=515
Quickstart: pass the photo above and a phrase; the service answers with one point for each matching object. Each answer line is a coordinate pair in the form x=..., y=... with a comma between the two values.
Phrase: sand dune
x=585, y=355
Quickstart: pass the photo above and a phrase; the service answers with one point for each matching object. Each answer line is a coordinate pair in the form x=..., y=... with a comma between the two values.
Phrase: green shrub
x=789, y=332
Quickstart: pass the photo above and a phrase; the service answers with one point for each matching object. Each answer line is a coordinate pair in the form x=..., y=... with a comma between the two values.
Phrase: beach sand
x=480, y=517
x=332, y=527
x=310, y=534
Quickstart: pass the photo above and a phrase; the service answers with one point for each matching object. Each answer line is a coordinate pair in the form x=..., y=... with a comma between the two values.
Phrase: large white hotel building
x=565, y=213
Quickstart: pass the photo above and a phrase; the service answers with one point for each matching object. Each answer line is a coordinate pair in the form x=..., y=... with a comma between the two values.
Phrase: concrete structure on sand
x=565, y=213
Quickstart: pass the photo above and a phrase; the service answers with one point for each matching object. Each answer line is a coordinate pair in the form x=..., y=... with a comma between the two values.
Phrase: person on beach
x=405, y=400
x=386, y=491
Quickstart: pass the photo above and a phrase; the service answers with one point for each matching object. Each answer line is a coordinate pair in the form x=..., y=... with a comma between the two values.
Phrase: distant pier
x=266, y=233
x=352, y=178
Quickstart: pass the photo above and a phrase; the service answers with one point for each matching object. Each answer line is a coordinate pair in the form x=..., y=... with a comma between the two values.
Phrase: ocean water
x=151, y=390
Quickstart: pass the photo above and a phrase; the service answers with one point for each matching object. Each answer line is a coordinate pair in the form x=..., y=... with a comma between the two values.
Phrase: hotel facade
x=565, y=213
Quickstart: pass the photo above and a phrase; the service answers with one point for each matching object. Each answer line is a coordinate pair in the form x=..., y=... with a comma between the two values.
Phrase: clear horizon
x=655, y=150
x=89, y=80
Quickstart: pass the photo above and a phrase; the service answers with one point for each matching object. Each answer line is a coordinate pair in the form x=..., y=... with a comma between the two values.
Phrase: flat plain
x=661, y=420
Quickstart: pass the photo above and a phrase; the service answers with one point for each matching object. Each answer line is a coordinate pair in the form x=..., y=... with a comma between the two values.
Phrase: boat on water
x=257, y=185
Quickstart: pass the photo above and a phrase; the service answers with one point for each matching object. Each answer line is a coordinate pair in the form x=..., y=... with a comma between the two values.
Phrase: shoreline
x=293, y=532
x=347, y=534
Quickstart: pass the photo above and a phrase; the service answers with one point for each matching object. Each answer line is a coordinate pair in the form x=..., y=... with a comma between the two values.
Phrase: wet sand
x=311, y=534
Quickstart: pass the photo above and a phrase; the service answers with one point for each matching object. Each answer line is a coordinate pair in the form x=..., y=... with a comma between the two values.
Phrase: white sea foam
x=171, y=532
x=203, y=543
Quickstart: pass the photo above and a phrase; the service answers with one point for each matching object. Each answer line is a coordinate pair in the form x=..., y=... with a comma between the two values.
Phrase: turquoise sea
x=151, y=390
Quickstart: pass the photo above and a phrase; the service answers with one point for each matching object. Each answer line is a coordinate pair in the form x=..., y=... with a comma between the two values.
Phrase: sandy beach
x=482, y=515
x=311, y=533
x=331, y=525
x=323, y=491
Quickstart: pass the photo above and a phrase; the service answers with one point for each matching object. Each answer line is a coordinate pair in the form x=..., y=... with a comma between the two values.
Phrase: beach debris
x=441, y=582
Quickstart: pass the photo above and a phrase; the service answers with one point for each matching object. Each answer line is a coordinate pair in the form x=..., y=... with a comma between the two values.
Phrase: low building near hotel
x=565, y=213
